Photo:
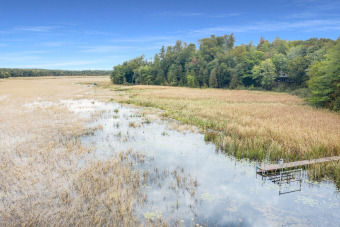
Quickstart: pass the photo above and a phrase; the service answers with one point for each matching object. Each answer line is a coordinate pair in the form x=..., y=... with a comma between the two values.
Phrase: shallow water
x=228, y=191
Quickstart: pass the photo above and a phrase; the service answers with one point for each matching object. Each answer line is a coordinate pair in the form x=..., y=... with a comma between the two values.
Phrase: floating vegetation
x=133, y=124
x=92, y=130
x=207, y=197
x=165, y=133
x=306, y=201
x=147, y=121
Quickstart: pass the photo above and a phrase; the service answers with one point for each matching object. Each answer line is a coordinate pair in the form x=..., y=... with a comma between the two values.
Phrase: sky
x=99, y=34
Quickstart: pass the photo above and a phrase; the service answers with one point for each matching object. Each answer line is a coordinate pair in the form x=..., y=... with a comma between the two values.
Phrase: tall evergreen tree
x=213, y=79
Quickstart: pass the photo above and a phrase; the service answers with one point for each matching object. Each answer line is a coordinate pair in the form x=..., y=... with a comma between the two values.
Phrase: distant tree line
x=4, y=74
x=311, y=66
x=46, y=72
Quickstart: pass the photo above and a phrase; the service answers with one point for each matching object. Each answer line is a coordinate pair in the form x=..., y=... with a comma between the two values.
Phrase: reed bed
x=247, y=124
x=255, y=125
x=47, y=177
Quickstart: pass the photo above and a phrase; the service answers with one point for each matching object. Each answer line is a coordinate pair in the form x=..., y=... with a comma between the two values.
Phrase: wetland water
x=192, y=183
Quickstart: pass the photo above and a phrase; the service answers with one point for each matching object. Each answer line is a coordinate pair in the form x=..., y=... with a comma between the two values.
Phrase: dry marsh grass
x=256, y=125
x=249, y=124
x=46, y=178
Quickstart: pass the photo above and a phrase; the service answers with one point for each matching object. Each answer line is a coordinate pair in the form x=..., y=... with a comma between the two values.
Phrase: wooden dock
x=275, y=167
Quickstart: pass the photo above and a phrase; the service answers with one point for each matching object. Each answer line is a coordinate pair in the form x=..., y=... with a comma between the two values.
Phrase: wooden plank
x=274, y=167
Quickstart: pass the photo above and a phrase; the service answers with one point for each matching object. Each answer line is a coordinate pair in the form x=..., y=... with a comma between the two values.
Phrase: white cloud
x=22, y=56
x=105, y=49
x=225, y=15
x=55, y=44
x=18, y=58
x=4, y=32
x=196, y=14
x=62, y=64
x=302, y=15
x=180, y=14
x=266, y=26
x=145, y=39
x=36, y=28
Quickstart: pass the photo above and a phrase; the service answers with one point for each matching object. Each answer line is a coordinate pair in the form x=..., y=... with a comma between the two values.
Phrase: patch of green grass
x=210, y=136
x=164, y=133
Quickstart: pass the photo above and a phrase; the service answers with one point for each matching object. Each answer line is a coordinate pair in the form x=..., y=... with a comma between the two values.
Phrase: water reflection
x=192, y=183
x=289, y=181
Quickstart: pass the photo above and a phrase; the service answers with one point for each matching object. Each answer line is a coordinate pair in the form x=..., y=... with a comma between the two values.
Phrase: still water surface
x=195, y=184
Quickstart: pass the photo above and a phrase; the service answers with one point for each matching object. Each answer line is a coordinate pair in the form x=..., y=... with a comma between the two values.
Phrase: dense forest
x=310, y=68
x=6, y=72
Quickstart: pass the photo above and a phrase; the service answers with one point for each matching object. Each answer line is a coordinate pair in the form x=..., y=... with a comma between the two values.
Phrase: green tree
x=281, y=62
x=160, y=78
x=298, y=51
x=281, y=46
x=265, y=74
x=213, y=79
x=172, y=78
x=234, y=83
x=4, y=74
x=206, y=77
x=297, y=70
x=325, y=80
x=192, y=79
x=200, y=77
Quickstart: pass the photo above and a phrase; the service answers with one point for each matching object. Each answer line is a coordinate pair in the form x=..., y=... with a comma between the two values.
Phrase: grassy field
x=248, y=124
x=256, y=125
x=41, y=183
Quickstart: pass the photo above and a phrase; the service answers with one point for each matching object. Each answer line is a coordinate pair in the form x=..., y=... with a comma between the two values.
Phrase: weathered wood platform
x=275, y=167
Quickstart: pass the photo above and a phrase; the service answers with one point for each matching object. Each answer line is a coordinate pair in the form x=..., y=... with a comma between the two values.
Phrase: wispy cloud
x=55, y=44
x=24, y=58
x=224, y=15
x=92, y=32
x=23, y=55
x=307, y=2
x=266, y=26
x=105, y=49
x=144, y=39
x=302, y=15
x=61, y=64
x=196, y=14
x=36, y=28
x=180, y=14
x=4, y=32
x=317, y=5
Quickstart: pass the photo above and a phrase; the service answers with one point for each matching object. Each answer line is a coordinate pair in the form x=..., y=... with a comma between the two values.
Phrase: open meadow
x=70, y=154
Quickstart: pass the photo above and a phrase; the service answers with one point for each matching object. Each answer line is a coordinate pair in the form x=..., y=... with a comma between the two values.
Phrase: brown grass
x=258, y=125
x=46, y=178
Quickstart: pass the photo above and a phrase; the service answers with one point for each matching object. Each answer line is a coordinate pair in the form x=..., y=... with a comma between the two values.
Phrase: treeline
x=4, y=74
x=311, y=66
x=47, y=72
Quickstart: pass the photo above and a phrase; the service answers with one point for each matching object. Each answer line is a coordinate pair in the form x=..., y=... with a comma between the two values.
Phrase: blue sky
x=84, y=34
